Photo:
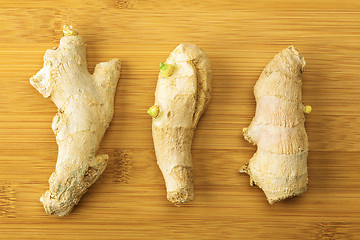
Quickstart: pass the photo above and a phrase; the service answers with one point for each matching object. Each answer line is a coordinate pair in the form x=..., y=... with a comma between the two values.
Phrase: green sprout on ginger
x=307, y=109
x=153, y=111
x=166, y=69
x=70, y=31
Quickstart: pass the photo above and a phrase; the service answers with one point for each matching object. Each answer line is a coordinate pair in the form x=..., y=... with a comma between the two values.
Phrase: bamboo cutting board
x=129, y=199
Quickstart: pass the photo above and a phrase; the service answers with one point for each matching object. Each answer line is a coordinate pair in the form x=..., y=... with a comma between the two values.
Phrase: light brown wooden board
x=129, y=200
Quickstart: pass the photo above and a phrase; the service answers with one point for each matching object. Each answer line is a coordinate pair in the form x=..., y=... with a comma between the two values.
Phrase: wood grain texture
x=129, y=200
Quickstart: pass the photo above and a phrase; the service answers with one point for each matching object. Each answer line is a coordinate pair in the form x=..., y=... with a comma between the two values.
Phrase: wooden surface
x=129, y=200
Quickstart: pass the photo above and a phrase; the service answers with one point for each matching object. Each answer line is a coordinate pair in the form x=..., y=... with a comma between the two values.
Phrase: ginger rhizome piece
x=279, y=166
x=182, y=94
x=85, y=105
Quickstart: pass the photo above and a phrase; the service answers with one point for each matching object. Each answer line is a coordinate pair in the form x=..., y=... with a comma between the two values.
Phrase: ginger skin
x=181, y=97
x=85, y=105
x=279, y=167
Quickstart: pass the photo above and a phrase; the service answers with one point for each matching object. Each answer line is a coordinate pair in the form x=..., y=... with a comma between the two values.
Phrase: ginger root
x=85, y=105
x=182, y=94
x=279, y=167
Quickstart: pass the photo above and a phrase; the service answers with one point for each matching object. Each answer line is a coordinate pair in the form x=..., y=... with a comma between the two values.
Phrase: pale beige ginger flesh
x=279, y=167
x=85, y=105
x=181, y=98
